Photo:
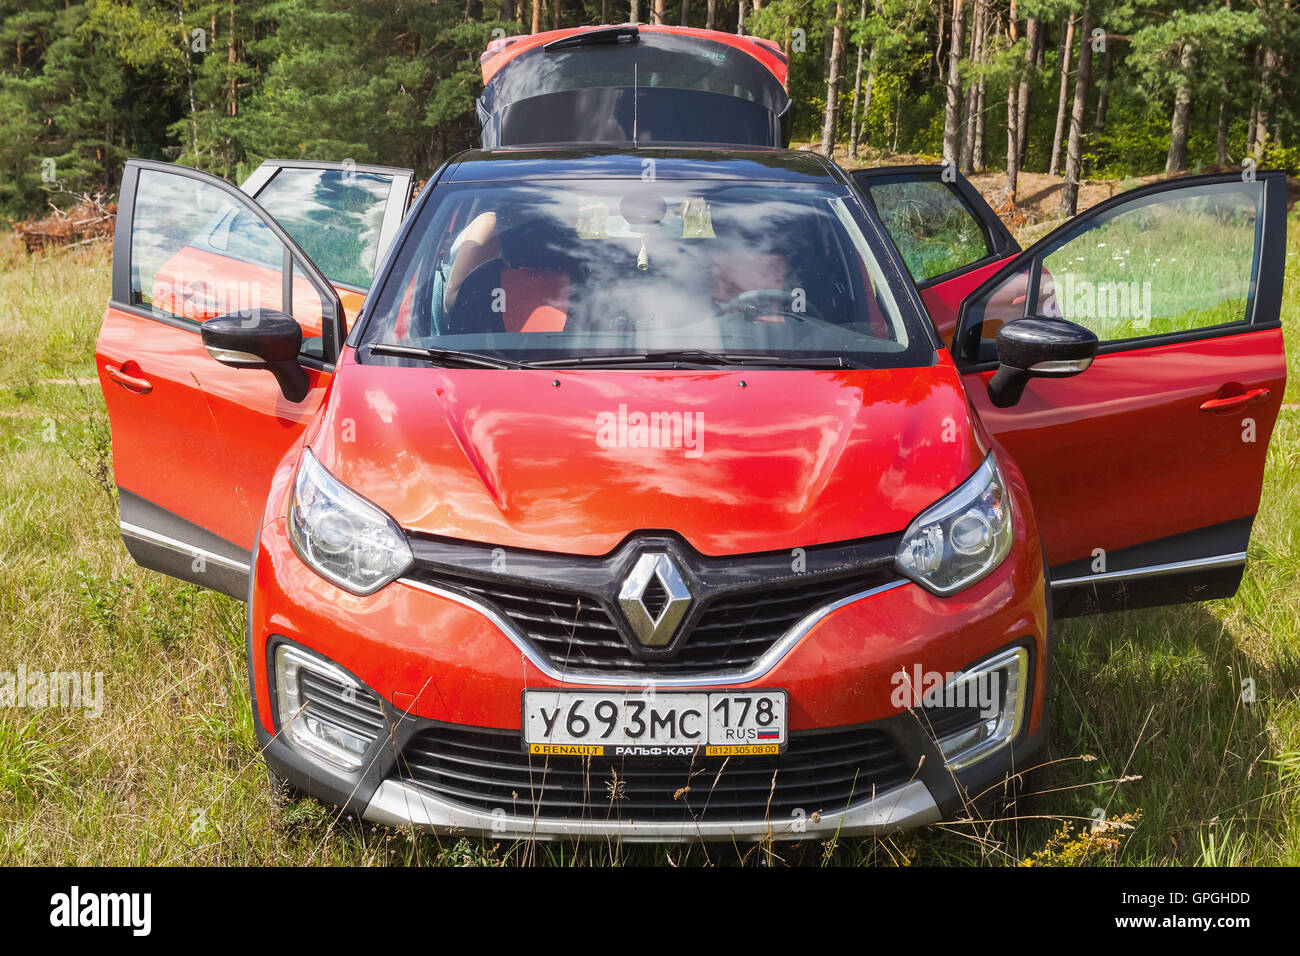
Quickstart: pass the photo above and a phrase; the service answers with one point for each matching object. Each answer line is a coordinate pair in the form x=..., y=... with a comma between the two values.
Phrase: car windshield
x=561, y=269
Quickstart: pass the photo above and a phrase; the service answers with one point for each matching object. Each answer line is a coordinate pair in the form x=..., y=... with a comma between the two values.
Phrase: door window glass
x=309, y=311
x=198, y=252
x=934, y=230
x=335, y=216
x=1172, y=262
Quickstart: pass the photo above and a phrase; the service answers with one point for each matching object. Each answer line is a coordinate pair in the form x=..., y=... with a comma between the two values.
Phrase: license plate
x=581, y=723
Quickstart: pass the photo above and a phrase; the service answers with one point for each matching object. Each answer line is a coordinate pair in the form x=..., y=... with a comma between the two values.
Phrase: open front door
x=1145, y=470
x=948, y=236
x=195, y=442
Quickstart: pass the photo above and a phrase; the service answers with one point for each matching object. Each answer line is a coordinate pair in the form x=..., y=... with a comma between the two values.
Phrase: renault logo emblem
x=654, y=599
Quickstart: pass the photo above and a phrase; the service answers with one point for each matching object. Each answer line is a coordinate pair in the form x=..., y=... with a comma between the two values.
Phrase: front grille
x=821, y=771
x=355, y=710
x=578, y=635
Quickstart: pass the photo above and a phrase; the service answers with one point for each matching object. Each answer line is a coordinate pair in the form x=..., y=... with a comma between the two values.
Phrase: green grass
x=1149, y=725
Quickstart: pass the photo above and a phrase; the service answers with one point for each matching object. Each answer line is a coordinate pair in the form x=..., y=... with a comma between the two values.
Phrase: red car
x=680, y=492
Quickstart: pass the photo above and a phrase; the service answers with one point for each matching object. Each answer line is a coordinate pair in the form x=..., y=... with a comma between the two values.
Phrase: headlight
x=962, y=538
x=340, y=535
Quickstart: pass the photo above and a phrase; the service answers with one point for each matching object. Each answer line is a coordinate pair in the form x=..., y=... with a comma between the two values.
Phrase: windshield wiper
x=448, y=357
x=699, y=357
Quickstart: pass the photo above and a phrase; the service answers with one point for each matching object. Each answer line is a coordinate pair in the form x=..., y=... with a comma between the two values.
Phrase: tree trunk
x=972, y=94
x=711, y=16
x=869, y=90
x=1033, y=51
x=1221, y=144
x=830, y=121
x=1074, y=151
x=857, y=93
x=1263, y=116
x=686, y=13
x=1067, y=48
x=938, y=46
x=952, y=103
x=659, y=11
x=1103, y=88
x=973, y=128
x=1013, y=117
x=977, y=154
x=232, y=57
x=1176, y=160
x=1254, y=112
x=537, y=15
x=1013, y=145
x=868, y=94
x=555, y=18
x=740, y=19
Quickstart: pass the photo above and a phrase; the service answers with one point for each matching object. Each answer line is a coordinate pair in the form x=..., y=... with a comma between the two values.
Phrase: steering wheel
x=757, y=303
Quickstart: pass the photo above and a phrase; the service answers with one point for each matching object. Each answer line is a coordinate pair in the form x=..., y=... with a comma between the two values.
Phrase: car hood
x=574, y=461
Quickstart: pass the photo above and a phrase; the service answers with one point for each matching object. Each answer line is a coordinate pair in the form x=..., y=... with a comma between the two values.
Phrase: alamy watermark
x=67, y=690
x=636, y=429
x=922, y=688
x=1116, y=301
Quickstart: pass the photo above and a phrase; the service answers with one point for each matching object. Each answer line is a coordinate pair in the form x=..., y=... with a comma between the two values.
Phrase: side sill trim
x=1156, y=570
x=645, y=678
x=153, y=537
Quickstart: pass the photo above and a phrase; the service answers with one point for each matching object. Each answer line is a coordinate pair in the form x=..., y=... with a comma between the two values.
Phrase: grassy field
x=1149, y=727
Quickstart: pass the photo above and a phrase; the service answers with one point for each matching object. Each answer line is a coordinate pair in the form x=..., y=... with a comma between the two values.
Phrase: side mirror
x=1038, y=348
x=260, y=338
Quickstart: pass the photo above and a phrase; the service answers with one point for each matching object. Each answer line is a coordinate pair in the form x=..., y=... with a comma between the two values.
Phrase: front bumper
x=390, y=789
x=434, y=662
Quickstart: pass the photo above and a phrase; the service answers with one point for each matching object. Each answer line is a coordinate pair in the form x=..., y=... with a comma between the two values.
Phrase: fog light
x=323, y=710
x=1001, y=683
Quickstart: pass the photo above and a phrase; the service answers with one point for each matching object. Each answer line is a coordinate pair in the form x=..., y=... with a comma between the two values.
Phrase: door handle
x=1251, y=396
x=132, y=383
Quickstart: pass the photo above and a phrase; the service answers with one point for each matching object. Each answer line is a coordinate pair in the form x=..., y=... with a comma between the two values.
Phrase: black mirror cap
x=1027, y=343
x=1038, y=347
x=261, y=339
x=251, y=335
